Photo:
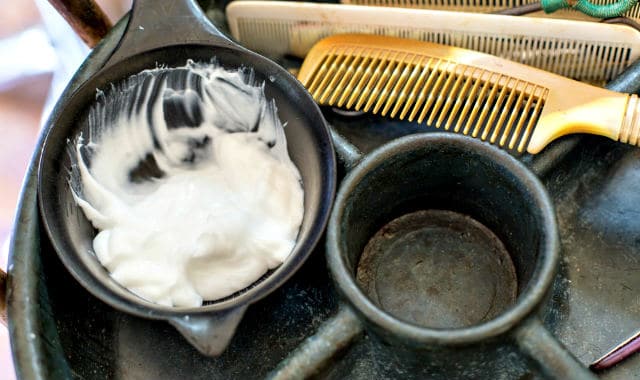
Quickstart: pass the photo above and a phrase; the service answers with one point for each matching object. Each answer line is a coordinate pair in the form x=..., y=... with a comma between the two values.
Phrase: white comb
x=486, y=6
x=581, y=50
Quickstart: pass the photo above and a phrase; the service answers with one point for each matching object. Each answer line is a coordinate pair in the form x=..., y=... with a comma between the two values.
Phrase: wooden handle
x=3, y=297
x=85, y=17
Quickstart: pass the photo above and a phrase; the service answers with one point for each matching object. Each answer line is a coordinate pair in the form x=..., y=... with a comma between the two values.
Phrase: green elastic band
x=550, y=6
x=598, y=11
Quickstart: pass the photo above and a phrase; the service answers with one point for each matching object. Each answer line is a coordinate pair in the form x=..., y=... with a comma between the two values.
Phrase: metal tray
x=58, y=330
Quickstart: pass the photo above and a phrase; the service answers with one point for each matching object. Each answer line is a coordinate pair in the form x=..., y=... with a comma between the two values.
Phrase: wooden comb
x=506, y=103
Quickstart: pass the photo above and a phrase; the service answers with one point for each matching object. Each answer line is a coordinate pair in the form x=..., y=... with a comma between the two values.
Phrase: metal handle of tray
x=338, y=332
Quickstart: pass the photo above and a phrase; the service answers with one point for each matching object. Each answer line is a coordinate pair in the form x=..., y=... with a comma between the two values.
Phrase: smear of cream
x=186, y=175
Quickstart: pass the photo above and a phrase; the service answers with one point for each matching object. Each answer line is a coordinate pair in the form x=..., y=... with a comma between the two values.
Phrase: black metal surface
x=60, y=331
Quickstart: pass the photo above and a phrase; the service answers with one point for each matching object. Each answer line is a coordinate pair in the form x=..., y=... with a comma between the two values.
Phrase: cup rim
x=526, y=303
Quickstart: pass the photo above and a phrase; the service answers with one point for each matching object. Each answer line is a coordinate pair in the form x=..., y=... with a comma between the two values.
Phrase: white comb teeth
x=486, y=6
x=581, y=50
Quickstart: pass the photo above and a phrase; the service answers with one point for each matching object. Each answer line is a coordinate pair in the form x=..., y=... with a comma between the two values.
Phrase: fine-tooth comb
x=581, y=50
x=487, y=97
x=487, y=6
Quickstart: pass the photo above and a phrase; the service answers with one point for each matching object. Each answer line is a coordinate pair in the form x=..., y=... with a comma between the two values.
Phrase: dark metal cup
x=444, y=249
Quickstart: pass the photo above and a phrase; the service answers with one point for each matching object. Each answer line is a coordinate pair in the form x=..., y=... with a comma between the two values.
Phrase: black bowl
x=309, y=146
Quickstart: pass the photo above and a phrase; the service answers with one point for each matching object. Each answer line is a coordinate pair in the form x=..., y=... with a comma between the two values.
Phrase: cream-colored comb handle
x=581, y=50
x=506, y=103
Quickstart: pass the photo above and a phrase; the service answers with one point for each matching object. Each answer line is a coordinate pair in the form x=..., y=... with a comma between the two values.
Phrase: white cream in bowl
x=219, y=202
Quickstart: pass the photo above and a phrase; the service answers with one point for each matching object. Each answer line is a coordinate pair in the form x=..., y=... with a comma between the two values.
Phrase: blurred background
x=38, y=55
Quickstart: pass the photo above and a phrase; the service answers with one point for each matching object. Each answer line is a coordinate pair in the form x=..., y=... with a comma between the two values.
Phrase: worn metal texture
x=60, y=331
x=438, y=269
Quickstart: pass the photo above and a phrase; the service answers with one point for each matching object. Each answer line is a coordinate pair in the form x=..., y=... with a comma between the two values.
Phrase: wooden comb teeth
x=444, y=94
x=505, y=103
